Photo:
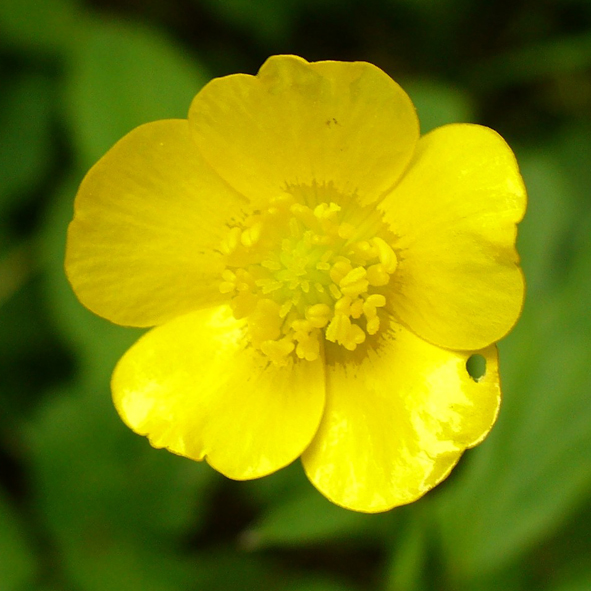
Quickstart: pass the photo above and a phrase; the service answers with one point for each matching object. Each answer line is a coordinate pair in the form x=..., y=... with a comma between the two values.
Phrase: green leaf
x=546, y=226
x=534, y=470
x=17, y=563
x=535, y=61
x=266, y=20
x=47, y=26
x=96, y=560
x=308, y=518
x=121, y=481
x=572, y=151
x=25, y=136
x=579, y=583
x=225, y=569
x=317, y=583
x=407, y=566
x=124, y=75
x=116, y=508
x=439, y=103
x=285, y=483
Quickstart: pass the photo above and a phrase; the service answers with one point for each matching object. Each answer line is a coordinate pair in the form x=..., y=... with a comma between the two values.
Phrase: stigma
x=301, y=274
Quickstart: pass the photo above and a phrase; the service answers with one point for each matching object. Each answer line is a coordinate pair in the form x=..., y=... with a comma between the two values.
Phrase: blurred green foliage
x=85, y=505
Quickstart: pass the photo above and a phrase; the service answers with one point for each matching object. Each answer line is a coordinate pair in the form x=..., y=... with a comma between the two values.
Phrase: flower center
x=299, y=274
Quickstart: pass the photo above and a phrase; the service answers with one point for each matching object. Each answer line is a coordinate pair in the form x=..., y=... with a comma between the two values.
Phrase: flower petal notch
x=374, y=450
x=316, y=275
x=345, y=124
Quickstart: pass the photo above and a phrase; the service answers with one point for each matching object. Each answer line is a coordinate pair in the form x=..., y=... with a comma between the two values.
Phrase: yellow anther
x=354, y=337
x=243, y=304
x=334, y=291
x=301, y=326
x=341, y=268
x=243, y=286
x=322, y=266
x=251, y=236
x=386, y=255
x=353, y=276
x=377, y=276
x=227, y=275
x=343, y=305
x=318, y=315
x=369, y=310
x=326, y=210
x=232, y=241
x=357, y=308
x=227, y=287
x=338, y=329
x=278, y=350
x=264, y=322
x=373, y=325
x=270, y=286
x=377, y=300
x=308, y=348
x=355, y=282
x=365, y=250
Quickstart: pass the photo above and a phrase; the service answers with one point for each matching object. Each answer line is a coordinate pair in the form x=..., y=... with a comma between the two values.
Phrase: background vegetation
x=86, y=505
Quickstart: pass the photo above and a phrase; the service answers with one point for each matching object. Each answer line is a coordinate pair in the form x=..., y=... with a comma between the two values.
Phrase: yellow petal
x=396, y=422
x=195, y=387
x=295, y=124
x=458, y=283
x=147, y=218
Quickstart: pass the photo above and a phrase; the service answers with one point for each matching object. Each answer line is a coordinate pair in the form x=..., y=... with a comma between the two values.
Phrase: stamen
x=296, y=276
x=318, y=315
x=334, y=291
x=251, y=235
x=354, y=282
x=386, y=254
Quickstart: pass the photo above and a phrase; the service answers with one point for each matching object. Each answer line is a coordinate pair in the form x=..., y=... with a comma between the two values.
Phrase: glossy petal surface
x=148, y=217
x=191, y=386
x=397, y=421
x=458, y=283
x=347, y=125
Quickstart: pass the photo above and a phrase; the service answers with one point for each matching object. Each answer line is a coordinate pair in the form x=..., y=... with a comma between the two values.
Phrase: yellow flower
x=317, y=276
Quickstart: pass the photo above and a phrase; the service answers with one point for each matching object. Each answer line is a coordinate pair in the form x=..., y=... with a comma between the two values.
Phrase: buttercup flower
x=317, y=276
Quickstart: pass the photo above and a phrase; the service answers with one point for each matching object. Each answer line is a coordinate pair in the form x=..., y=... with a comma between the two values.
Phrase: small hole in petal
x=476, y=367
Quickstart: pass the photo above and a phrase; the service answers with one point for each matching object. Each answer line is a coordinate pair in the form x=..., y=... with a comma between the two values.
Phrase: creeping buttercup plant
x=317, y=276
